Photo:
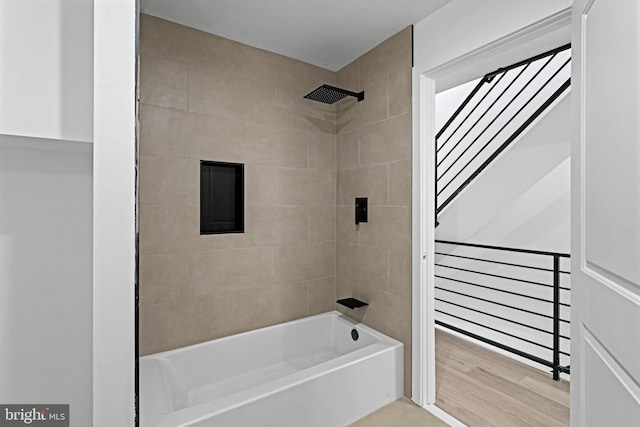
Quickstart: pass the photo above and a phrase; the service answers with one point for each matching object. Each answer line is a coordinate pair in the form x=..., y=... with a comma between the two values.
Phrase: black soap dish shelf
x=352, y=303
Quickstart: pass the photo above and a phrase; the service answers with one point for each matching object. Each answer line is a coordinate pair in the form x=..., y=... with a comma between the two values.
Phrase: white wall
x=46, y=197
x=466, y=38
x=45, y=274
x=463, y=26
x=500, y=205
x=46, y=77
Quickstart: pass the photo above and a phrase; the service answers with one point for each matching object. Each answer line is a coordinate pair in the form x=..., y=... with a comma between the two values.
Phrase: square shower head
x=329, y=94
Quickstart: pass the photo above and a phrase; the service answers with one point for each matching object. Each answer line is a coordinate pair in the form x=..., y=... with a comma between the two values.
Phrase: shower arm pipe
x=358, y=95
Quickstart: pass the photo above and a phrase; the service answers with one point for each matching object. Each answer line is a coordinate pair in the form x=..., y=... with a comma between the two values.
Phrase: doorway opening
x=501, y=262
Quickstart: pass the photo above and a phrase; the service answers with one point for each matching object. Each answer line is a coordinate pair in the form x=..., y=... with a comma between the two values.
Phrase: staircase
x=503, y=178
x=498, y=112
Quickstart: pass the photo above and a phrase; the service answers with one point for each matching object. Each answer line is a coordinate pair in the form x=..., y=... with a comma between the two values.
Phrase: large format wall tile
x=165, y=277
x=164, y=83
x=268, y=306
x=370, y=182
x=305, y=261
x=374, y=108
x=374, y=160
x=305, y=187
x=386, y=141
x=389, y=227
x=231, y=97
x=346, y=230
x=322, y=223
x=268, y=225
x=162, y=131
x=230, y=270
x=207, y=98
x=348, y=150
x=365, y=265
x=321, y=295
x=400, y=92
x=278, y=147
x=175, y=228
x=400, y=183
x=183, y=322
x=163, y=180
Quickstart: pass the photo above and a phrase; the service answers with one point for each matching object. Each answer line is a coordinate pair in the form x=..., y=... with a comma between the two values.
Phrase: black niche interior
x=221, y=197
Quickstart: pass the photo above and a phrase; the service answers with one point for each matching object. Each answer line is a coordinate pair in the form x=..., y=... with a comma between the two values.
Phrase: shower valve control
x=361, y=210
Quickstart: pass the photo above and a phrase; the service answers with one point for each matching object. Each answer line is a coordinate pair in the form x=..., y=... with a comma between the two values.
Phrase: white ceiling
x=327, y=33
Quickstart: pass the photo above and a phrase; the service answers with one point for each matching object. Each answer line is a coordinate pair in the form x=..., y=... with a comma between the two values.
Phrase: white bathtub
x=309, y=372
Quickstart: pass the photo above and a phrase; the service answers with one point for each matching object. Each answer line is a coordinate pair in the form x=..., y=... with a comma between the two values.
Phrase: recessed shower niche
x=221, y=197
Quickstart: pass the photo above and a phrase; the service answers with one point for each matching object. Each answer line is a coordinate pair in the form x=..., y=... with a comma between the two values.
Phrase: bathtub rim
x=203, y=411
x=339, y=316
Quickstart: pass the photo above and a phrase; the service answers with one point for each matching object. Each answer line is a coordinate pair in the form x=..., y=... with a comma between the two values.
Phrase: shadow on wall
x=45, y=273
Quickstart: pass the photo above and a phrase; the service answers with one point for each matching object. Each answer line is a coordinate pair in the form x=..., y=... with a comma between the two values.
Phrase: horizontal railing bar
x=495, y=275
x=506, y=263
x=501, y=318
x=498, y=290
x=504, y=248
x=496, y=330
x=495, y=316
x=496, y=344
x=499, y=303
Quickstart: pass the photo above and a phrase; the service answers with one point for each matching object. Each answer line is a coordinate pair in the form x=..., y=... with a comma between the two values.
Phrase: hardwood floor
x=482, y=388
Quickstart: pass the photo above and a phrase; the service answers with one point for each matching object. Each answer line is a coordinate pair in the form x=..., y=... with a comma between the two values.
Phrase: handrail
x=459, y=298
x=457, y=167
x=501, y=262
x=504, y=248
x=526, y=61
x=500, y=149
x=487, y=78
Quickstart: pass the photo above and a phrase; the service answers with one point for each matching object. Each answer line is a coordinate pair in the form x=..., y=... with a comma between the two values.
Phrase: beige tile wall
x=204, y=97
x=207, y=98
x=374, y=161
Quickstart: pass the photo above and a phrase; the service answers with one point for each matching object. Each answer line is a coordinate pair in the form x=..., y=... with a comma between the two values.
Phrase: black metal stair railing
x=514, y=299
x=498, y=110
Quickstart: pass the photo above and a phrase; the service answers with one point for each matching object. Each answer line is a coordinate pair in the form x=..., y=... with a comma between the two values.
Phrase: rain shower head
x=329, y=94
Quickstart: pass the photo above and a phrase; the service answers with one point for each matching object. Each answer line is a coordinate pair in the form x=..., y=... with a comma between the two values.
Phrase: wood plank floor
x=482, y=388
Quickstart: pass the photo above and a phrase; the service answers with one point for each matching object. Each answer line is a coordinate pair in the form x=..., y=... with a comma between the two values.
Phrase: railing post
x=435, y=181
x=556, y=317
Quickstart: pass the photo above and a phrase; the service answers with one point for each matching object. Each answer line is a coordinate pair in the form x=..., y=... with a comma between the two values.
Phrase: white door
x=605, y=338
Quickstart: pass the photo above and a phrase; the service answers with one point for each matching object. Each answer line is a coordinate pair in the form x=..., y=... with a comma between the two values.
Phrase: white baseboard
x=444, y=416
